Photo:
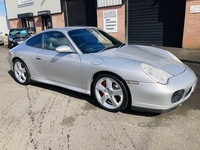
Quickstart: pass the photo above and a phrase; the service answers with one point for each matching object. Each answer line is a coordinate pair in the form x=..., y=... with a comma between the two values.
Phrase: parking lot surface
x=44, y=117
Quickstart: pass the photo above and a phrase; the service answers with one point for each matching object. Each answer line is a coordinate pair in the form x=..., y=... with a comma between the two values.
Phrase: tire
x=110, y=92
x=21, y=72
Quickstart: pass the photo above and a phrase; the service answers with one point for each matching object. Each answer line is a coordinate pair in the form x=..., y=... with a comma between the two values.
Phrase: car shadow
x=80, y=96
x=190, y=61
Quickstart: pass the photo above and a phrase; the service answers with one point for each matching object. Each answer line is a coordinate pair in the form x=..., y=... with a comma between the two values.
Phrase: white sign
x=110, y=20
x=24, y=3
x=195, y=9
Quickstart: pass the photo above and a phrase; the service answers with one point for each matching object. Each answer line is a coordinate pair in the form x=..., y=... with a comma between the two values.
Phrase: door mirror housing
x=64, y=48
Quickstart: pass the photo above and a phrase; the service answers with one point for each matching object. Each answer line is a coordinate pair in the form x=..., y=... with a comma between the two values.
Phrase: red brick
x=191, y=35
x=120, y=35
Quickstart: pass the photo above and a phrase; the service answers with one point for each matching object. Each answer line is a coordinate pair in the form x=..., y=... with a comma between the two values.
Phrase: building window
x=28, y=23
x=46, y=22
x=46, y=19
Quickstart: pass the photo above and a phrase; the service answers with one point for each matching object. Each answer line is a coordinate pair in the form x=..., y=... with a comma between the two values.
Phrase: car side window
x=35, y=41
x=53, y=39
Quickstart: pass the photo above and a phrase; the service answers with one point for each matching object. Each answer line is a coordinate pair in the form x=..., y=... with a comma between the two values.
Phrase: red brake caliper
x=104, y=84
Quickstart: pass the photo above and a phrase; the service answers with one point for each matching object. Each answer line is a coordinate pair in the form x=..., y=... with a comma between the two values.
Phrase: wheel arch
x=114, y=74
x=15, y=58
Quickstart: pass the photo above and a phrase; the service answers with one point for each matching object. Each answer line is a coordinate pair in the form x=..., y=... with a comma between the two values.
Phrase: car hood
x=155, y=57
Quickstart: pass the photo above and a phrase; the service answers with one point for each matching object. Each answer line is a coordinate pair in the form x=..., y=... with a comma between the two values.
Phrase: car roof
x=69, y=28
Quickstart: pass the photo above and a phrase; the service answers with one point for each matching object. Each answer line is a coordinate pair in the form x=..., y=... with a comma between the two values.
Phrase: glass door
x=46, y=22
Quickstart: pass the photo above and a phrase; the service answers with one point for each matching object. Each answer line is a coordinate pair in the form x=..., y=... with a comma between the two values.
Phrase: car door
x=62, y=68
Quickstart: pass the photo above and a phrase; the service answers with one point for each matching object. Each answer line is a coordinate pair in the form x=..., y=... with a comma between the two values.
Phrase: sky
x=2, y=8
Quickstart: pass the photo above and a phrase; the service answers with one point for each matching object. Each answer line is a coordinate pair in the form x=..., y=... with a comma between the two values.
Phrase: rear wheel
x=21, y=72
x=110, y=92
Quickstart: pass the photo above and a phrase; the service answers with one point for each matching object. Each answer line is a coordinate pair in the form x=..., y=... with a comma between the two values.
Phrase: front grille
x=177, y=96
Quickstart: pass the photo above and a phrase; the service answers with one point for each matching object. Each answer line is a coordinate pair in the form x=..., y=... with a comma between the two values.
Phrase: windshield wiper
x=109, y=47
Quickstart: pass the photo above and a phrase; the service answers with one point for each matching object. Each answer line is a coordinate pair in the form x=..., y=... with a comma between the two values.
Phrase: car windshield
x=92, y=40
x=18, y=32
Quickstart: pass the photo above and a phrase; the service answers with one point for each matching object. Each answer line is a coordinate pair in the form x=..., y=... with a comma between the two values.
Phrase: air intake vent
x=177, y=96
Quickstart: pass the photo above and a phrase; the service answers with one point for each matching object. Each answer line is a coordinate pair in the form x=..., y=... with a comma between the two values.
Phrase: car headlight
x=10, y=39
x=156, y=74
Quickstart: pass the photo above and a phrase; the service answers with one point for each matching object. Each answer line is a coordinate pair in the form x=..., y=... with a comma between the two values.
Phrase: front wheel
x=110, y=92
x=21, y=72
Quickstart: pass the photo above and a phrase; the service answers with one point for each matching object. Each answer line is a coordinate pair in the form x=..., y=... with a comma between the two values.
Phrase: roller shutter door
x=81, y=12
x=155, y=22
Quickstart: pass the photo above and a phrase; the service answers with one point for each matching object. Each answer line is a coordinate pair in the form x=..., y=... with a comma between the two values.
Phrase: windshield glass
x=92, y=40
x=18, y=32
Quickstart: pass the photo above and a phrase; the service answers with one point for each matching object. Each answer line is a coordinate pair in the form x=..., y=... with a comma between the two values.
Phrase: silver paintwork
x=75, y=71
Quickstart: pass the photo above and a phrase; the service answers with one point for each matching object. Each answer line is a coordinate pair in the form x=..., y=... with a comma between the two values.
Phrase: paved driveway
x=45, y=117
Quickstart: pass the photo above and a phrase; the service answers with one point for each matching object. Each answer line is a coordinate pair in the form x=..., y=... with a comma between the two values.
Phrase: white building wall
x=15, y=7
x=104, y=3
x=4, y=27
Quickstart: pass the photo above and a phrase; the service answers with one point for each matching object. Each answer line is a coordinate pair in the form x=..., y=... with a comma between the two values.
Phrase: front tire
x=9, y=46
x=110, y=92
x=21, y=72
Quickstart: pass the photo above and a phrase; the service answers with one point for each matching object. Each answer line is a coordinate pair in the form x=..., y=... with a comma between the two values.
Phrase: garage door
x=81, y=12
x=156, y=22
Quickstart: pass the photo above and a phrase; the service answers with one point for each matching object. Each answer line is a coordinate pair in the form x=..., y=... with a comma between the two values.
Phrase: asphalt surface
x=44, y=117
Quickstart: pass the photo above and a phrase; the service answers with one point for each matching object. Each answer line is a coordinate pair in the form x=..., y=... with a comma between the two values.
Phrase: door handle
x=38, y=57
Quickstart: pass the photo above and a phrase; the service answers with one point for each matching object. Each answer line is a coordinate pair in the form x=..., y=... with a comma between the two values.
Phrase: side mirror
x=64, y=48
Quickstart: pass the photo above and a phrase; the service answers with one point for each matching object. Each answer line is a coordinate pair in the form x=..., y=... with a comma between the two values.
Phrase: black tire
x=9, y=46
x=21, y=72
x=106, y=93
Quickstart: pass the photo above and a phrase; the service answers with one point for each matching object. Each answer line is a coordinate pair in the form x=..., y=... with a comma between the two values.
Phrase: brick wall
x=57, y=21
x=120, y=35
x=15, y=23
x=191, y=35
x=38, y=24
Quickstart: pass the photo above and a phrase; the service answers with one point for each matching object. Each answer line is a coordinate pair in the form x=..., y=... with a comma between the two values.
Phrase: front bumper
x=154, y=97
x=12, y=44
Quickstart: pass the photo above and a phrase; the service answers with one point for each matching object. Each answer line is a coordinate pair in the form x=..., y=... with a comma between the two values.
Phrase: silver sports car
x=90, y=61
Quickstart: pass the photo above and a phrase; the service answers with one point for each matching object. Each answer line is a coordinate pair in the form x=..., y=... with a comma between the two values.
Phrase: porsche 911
x=90, y=61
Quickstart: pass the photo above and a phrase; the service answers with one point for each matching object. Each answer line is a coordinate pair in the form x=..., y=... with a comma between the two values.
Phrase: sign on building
x=110, y=23
x=195, y=9
x=24, y=3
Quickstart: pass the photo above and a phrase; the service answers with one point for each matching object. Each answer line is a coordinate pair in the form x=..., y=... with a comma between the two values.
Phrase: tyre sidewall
x=27, y=71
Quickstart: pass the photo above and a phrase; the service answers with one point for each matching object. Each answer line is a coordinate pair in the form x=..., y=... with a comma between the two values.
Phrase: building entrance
x=46, y=19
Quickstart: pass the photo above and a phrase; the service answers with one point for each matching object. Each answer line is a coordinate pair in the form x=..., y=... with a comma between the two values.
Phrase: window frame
x=42, y=40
